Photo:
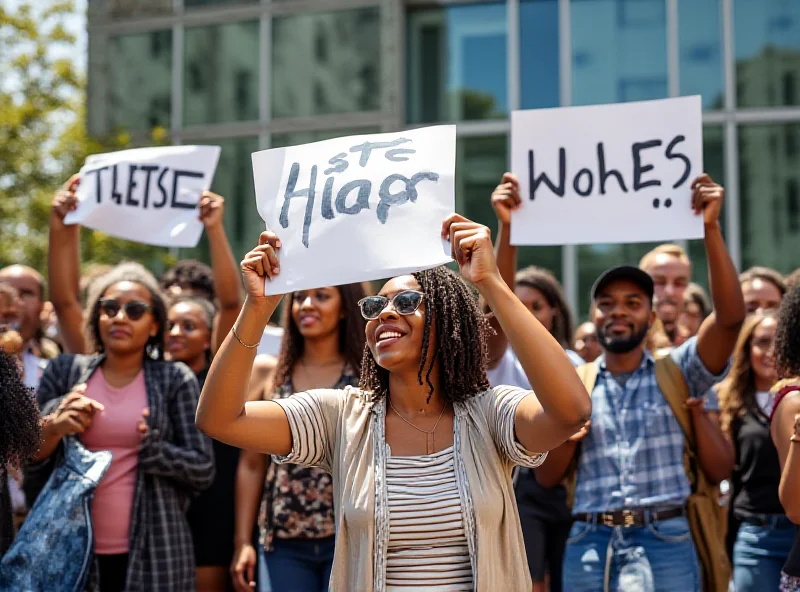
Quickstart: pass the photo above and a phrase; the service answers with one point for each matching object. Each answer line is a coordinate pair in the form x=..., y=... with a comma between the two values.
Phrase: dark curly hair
x=461, y=348
x=126, y=272
x=545, y=282
x=352, y=336
x=20, y=431
x=192, y=274
x=787, y=338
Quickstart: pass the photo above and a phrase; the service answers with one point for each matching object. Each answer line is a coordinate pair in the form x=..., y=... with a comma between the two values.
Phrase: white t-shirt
x=34, y=366
x=509, y=371
x=766, y=400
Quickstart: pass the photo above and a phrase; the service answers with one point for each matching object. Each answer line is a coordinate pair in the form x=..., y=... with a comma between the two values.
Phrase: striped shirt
x=427, y=543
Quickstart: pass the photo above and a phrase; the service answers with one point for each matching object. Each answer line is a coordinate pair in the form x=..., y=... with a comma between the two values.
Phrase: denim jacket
x=53, y=550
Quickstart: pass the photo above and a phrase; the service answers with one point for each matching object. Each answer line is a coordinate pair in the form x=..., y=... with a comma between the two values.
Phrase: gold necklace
x=430, y=437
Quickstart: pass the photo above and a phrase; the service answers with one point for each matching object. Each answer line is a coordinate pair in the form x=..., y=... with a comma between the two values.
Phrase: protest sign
x=607, y=173
x=357, y=208
x=147, y=195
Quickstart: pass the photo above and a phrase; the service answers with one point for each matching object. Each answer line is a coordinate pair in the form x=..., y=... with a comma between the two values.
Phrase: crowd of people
x=444, y=431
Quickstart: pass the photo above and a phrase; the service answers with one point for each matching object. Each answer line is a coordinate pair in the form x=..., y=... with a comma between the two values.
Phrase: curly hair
x=126, y=272
x=461, y=349
x=20, y=430
x=793, y=279
x=787, y=339
x=737, y=393
x=352, y=336
x=764, y=274
x=191, y=274
x=545, y=282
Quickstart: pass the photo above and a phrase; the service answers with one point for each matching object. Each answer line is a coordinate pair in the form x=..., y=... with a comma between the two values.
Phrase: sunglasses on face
x=134, y=309
x=405, y=303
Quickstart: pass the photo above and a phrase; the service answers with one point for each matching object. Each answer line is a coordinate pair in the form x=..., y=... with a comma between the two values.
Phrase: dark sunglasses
x=134, y=309
x=405, y=303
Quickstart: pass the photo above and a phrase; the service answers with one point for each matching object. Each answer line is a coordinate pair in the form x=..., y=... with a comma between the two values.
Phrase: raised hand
x=212, y=209
x=261, y=264
x=505, y=198
x=472, y=248
x=65, y=199
x=707, y=198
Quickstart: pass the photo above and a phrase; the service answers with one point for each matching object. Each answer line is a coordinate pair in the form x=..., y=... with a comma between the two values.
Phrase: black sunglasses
x=134, y=309
x=405, y=303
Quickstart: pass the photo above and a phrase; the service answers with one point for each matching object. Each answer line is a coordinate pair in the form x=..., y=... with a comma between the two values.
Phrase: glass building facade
x=249, y=75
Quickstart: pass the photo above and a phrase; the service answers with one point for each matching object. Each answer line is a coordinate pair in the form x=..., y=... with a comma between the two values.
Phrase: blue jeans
x=657, y=557
x=300, y=565
x=760, y=552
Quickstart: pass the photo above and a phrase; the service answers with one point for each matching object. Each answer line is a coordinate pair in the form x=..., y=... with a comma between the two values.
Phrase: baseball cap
x=624, y=272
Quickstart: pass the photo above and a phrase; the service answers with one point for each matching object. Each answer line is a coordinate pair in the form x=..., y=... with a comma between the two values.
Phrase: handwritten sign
x=607, y=173
x=357, y=208
x=147, y=195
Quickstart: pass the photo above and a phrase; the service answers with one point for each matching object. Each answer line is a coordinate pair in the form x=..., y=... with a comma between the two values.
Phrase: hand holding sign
x=707, y=197
x=472, y=248
x=506, y=199
x=261, y=264
x=65, y=200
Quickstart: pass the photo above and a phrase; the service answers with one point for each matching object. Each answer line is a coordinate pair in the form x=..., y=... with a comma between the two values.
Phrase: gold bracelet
x=239, y=339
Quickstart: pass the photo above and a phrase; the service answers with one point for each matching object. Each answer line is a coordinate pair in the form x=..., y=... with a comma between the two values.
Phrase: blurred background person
x=587, y=345
x=763, y=289
x=759, y=534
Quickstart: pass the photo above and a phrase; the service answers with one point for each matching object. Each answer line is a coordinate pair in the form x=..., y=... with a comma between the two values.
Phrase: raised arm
x=505, y=198
x=223, y=412
x=227, y=280
x=63, y=268
x=561, y=404
x=718, y=333
x=785, y=430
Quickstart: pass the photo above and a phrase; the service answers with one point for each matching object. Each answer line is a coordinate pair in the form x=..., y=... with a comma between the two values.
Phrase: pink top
x=115, y=429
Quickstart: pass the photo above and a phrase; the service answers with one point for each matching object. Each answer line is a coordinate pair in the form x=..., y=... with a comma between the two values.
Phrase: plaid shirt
x=175, y=460
x=632, y=456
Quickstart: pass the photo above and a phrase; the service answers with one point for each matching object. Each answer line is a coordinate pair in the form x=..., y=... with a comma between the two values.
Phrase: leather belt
x=627, y=518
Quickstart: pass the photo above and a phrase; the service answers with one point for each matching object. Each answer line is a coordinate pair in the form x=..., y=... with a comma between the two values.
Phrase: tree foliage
x=43, y=136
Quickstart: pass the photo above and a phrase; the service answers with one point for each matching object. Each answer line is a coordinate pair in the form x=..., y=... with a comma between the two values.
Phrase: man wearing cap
x=630, y=530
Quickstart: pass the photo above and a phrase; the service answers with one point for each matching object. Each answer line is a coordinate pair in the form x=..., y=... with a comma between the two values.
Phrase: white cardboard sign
x=357, y=208
x=607, y=173
x=147, y=195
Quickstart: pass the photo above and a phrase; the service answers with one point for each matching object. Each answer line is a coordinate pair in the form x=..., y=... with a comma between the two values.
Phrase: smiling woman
x=423, y=409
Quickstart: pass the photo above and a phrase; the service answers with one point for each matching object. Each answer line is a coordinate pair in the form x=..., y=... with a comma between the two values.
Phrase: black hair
x=787, y=337
x=461, y=347
x=352, y=335
x=20, y=430
x=127, y=272
x=191, y=274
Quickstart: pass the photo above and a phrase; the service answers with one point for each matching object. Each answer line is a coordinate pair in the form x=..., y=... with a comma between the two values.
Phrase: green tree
x=43, y=137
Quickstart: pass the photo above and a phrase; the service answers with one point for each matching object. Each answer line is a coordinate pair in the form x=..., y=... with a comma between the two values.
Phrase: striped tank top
x=427, y=544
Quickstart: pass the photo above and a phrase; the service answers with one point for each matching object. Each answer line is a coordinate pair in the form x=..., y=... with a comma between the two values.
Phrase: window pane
x=457, y=63
x=769, y=196
x=140, y=85
x=767, y=37
x=198, y=3
x=619, y=51
x=480, y=164
x=539, y=53
x=220, y=75
x=297, y=138
x=234, y=181
x=595, y=259
x=700, y=32
x=99, y=11
x=326, y=63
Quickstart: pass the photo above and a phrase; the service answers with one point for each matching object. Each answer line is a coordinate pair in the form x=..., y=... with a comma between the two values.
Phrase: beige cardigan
x=343, y=432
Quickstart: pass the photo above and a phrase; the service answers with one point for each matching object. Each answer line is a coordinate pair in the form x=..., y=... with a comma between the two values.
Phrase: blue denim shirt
x=53, y=550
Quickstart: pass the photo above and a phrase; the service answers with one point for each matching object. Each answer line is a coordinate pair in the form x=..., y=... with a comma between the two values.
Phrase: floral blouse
x=298, y=502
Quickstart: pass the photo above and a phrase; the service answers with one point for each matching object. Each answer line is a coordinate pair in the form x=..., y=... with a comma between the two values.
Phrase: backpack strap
x=588, y=375
x=676, y=392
